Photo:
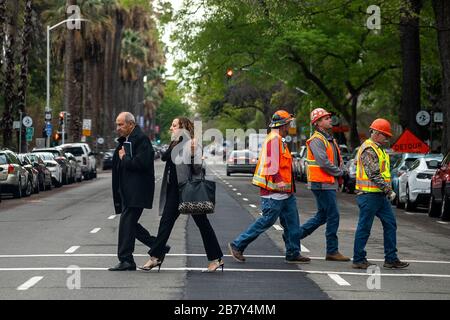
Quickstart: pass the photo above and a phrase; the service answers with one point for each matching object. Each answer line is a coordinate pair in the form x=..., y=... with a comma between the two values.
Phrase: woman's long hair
x=184, y=124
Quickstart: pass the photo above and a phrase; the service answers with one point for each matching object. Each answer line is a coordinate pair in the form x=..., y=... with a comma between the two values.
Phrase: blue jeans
x=371, y=205
x=328, y=213
x=286, y=210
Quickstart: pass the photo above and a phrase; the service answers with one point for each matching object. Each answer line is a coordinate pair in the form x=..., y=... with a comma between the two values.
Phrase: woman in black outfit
x=169, y=200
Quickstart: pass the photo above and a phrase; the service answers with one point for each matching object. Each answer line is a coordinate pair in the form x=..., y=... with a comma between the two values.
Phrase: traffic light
x=57, y=136
x=61, y=117
x=229, y=73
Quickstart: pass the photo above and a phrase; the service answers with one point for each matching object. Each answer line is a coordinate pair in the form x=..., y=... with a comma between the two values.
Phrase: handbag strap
x=202, y=172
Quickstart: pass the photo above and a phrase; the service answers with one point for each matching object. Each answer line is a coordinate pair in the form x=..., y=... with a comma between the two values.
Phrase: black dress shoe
x=124, y=266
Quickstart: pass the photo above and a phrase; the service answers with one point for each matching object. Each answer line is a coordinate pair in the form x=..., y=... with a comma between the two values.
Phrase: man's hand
x=391, y=196
x=281, y=185
x=121, y=153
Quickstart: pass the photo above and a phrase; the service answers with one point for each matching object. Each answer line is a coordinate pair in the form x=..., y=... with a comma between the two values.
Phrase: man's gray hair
x=129, y=117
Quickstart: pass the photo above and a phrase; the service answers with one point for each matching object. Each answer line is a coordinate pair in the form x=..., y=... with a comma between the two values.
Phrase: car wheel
x=228, y=174
x=445, y=209
x=433, y=208
x=409, y=206
x=29, y=189
x=18, y=192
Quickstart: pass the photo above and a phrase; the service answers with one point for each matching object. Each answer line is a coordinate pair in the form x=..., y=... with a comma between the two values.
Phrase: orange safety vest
x=314, y=172
x=280, y=162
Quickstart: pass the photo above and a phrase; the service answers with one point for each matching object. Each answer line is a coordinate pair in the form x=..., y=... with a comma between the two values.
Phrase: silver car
x=13, y=177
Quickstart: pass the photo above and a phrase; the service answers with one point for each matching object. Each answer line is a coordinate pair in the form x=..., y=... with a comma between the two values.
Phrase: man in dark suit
x=133, y=183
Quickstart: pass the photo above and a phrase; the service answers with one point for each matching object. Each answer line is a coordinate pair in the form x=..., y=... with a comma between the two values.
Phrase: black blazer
x=133, y=179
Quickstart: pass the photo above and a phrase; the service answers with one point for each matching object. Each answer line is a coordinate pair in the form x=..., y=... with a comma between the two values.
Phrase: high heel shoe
x=152, y=263
x=214, y=265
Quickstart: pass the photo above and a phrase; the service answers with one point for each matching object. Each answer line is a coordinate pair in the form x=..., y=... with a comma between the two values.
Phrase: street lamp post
x=50, y=28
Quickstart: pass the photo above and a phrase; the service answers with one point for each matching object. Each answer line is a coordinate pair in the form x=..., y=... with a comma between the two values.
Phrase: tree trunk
x=69, y=88
x=442, y=14
x=2, y=38
x=10, y=74
x=410, y=54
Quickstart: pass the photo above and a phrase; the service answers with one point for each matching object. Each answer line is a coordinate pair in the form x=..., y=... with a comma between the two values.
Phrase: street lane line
x=28, y=284
x=304, y=249
x=253, y=206
x=279, y=228
x=442, y=222
x=245, y=199
x=95, y=230
x=72, y=249
x=364, y=274
x=234, y=189
x=112, y=217
x=339, y=280
x=239, y=194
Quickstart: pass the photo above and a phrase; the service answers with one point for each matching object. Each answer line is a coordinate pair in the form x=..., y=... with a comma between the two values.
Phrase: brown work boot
x=362, y=265
x=298, y=259
x=397, y=264
x=337, y=257
x=235, y=253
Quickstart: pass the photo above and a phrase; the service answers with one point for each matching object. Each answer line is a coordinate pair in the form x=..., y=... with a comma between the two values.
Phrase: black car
x=61, y=158
x=241, y=161
x=45, y=176
x=107, y=159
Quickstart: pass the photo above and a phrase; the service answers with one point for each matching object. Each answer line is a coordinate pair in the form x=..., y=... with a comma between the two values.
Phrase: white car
x=85, y=157
x=54, y=168
x=414, y=185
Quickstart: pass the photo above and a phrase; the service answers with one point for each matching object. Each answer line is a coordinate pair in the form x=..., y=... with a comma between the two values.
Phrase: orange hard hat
x=318, y=113
x=382, y=125
x=280, y=118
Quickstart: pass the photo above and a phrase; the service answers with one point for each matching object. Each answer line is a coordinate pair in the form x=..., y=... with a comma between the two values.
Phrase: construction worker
x=274, y=176
x=325, y=168
x=373, y=182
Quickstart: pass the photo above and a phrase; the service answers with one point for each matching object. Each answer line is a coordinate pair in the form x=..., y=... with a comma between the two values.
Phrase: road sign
x=29, y=134
x=48, y=116
x=27, y=121
x=87, y=123
x=48, y=129
x=438, y=117
x=16, y=125
x=409, y=143
x=334, y=120
x=423, y=118
x=100, y=140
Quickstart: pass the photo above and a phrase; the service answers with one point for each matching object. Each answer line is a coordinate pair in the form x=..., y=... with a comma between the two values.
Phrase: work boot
x=235, y=253
x=337, y=257
x=396, y=264
x=362, y=265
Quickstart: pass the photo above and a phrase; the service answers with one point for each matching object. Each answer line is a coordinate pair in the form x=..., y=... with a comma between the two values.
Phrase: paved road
x=56, y=242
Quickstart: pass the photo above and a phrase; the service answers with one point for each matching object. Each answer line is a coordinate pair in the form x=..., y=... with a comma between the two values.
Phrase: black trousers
x=129, y=231
x=170, y=215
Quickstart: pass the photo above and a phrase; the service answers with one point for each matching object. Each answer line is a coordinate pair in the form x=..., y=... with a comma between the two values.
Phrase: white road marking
x=279, y=228
x=364, y=274
x=239, y=194
x=245, y=199
x=72, y=249
x=95, y=230
x=111, y=217
x=28, y=284
x=230, y=186
x=234, y=189
x=252, y=205
x=304, y=249
x=339, y=280
x=442, y=222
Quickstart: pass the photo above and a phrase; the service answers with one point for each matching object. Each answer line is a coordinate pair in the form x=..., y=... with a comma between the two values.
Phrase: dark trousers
x=170, y=215
x=129, y=230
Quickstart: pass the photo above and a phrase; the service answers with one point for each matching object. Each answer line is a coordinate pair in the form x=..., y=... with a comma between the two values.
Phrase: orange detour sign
x=409, y=143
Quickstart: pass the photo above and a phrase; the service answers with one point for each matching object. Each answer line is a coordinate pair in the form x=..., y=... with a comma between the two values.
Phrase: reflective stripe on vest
x=314, y=172
x=363, y=183
x=282, y=165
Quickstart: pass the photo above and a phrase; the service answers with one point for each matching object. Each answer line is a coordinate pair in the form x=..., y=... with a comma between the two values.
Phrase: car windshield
x=76, y=151
x=3, y=159
x=47, y=156
x=240, y=154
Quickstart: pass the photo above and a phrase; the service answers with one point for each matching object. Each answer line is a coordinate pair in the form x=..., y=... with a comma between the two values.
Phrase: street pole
x=20, y=133
x=431, y=132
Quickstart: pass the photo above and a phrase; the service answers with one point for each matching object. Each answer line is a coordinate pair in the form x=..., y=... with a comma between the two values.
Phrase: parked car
x=76, y=168
x=403, y=163
x=439, y=205
x=45, y=176
x=54, y=167
x=108, y=156
x=414, y=184
x=13, y=177
x=241, y=161
x=61, y=158
x=85, y=157
x=33, y=174
x=345, y=153
x=302, y=164
x=295, y=164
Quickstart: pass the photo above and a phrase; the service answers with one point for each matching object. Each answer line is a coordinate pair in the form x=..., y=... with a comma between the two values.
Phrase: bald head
x=125, y=123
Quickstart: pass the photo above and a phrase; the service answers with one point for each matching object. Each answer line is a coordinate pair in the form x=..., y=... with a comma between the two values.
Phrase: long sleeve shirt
x=369, y=160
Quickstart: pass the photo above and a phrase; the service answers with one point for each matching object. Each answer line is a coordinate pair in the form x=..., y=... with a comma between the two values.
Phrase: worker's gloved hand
x=391, y=196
